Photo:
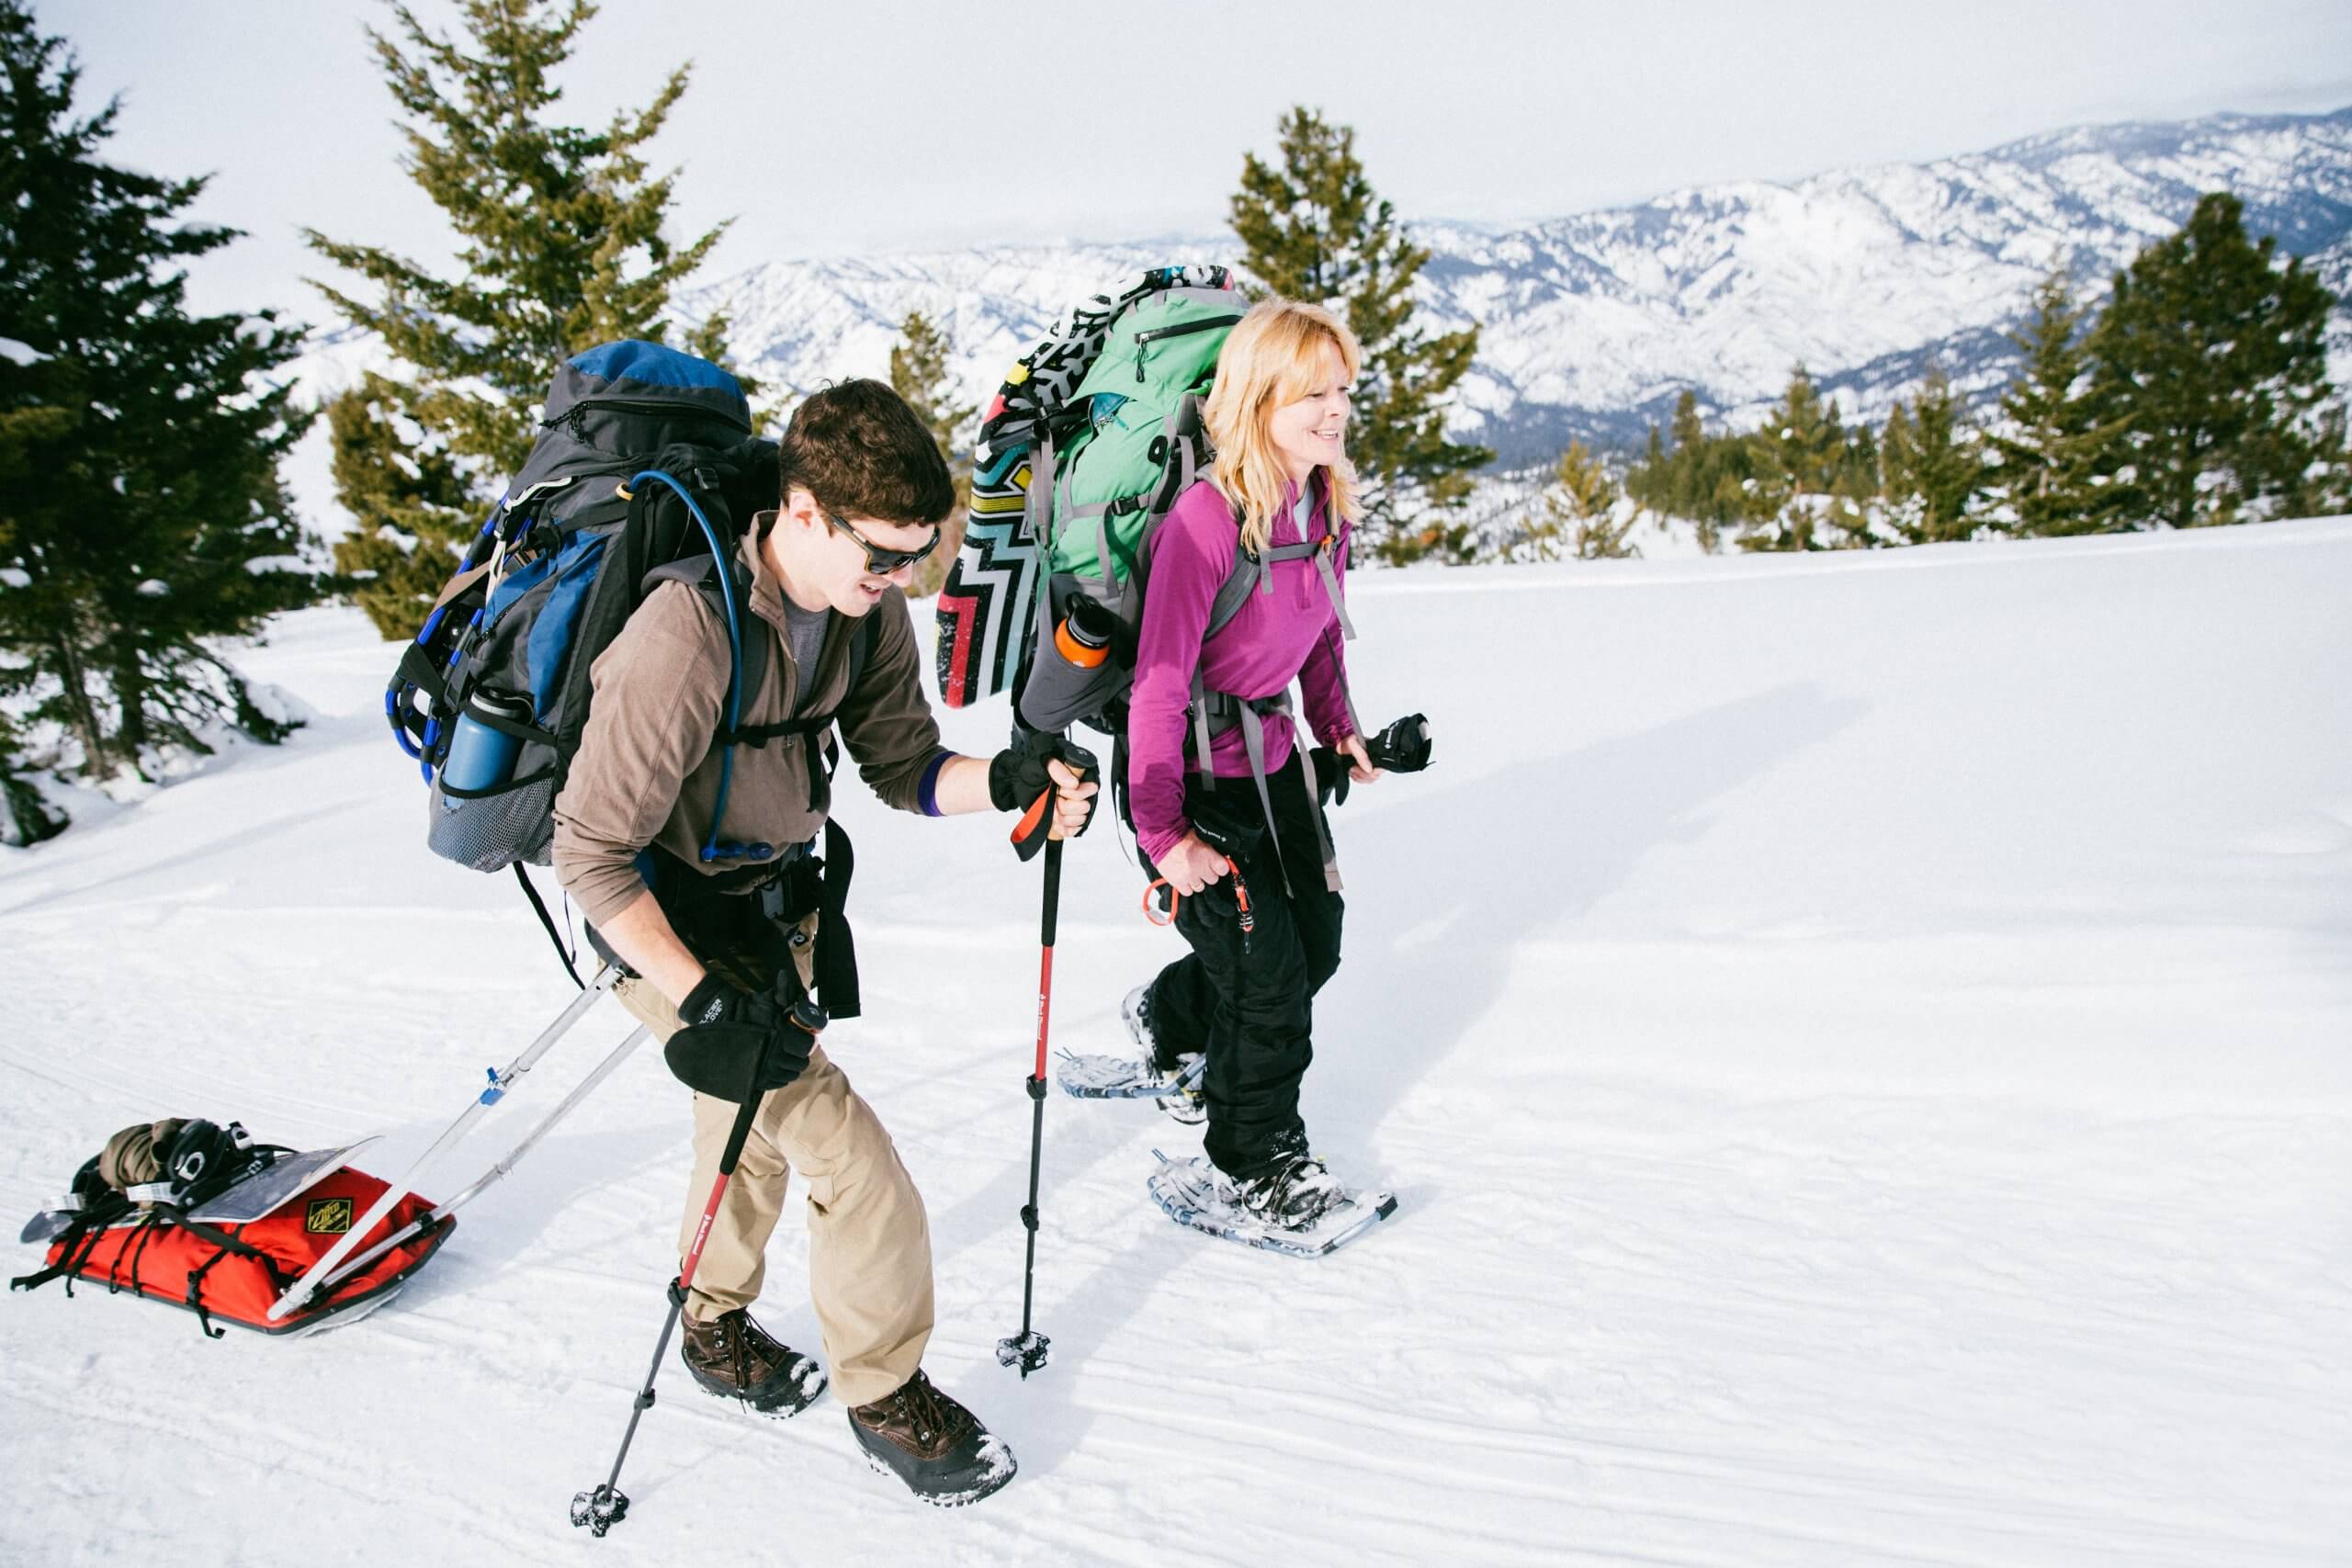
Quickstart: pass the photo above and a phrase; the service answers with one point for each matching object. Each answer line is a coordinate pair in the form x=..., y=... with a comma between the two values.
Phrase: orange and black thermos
x=1084, y=635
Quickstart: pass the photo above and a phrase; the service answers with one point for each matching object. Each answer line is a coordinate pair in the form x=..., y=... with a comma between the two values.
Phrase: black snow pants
x=1249, y=1000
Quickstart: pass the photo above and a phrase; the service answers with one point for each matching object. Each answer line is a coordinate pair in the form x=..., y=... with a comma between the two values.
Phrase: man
x=721, y=944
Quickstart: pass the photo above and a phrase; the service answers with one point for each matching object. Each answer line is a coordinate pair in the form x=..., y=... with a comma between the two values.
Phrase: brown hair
x=860, y=450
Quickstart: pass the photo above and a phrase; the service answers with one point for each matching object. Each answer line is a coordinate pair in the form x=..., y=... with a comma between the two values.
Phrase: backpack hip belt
x=1214, y=713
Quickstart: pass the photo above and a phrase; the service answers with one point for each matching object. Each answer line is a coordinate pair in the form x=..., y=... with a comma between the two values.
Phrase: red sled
x=235, y=1274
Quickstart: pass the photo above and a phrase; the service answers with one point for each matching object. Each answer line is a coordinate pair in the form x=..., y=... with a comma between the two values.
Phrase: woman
x=1281, y=481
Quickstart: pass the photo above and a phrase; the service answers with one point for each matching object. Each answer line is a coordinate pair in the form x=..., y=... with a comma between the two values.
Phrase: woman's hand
x=1073, y=799
x=1360, y=766
x=1193, y=866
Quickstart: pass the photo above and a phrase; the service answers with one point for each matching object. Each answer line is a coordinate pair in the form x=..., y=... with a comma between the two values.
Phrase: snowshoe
x=1299, y=1209
x=1177, y=1088
x=1126, y=1078
x=934, y=1445
x=734, y=1358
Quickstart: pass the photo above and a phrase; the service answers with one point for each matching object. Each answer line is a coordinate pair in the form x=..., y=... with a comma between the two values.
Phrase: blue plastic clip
x=493, y=1094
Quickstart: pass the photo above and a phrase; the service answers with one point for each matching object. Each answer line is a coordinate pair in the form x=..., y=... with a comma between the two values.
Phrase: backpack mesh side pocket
x=493, y=831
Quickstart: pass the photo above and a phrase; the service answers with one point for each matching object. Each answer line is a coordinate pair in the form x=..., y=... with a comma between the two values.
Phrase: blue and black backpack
x=645, y=471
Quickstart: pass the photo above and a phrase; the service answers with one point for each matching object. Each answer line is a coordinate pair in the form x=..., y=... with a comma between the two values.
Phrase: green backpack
x=1111, y=424
x=1091, y=440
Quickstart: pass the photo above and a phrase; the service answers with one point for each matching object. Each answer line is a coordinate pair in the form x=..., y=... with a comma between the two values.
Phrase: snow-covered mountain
x=1592, y=325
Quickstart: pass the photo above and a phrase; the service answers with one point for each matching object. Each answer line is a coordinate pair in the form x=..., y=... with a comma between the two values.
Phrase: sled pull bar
x=418, y=1226
x=313, y=1279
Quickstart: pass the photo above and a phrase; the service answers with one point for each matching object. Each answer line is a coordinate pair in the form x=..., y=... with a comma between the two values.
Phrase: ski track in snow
x=1861, y=1047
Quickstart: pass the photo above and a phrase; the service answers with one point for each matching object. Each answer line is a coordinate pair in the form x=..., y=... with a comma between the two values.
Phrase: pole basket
x=600, y=1509
x=1024, y=1351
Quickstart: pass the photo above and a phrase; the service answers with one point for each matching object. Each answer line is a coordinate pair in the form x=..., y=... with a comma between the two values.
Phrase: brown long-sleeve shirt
x=647, y=773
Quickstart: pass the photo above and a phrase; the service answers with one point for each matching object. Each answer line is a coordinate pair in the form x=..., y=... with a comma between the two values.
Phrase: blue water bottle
x=482, y=757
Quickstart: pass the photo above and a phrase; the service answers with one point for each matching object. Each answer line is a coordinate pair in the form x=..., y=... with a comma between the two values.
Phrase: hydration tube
x=734, y=647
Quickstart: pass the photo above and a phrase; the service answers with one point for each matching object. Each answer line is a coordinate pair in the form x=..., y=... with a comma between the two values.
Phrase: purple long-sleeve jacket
x=1292, y=633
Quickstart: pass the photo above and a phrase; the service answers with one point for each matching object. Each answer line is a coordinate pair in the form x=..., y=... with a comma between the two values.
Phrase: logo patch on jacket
x=328, y=1216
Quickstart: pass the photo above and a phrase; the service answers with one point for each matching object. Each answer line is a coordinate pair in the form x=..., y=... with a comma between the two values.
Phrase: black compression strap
x=539, y=908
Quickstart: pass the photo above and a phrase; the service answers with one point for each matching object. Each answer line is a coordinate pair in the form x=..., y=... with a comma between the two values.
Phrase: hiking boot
x=735, y=1358
x=1181, y=1100
x=1292, y=1191
x=934, y=1445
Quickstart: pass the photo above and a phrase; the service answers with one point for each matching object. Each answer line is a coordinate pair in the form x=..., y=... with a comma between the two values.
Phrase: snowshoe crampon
x=1195, y=1193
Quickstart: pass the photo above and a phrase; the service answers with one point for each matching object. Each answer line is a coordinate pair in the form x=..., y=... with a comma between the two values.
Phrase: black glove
x=1403, y=746
x=726, y=1032
x=1018, y=780
x=1332, y=778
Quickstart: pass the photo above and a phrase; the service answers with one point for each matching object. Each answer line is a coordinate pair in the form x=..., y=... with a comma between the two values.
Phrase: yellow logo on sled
x=328, y=1216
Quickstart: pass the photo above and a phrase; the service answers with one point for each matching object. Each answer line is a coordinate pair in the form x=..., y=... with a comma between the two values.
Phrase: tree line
x=2197, y=396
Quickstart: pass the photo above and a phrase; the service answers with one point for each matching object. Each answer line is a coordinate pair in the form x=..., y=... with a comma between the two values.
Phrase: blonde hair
x=1274, y=356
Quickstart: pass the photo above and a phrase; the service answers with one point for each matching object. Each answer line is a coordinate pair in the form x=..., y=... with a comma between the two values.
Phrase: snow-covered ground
x=1864, y=1045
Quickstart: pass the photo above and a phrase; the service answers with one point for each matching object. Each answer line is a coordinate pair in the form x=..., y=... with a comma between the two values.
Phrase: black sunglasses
x=878, y=561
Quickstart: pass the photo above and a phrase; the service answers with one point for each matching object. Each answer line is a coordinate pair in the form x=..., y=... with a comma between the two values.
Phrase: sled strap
x=115, y=1282
x=196, y=1289
x=77, y=1247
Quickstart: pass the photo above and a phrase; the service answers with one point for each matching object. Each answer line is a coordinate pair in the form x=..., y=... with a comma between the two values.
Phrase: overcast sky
x=889, y=126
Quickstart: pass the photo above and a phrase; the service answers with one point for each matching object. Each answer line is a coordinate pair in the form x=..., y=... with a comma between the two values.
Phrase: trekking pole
x=1027, y=1350
x=303, y=1289
x=601, y=1507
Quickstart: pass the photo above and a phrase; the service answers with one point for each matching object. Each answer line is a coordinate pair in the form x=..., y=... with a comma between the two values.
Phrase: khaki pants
x=869, y=1243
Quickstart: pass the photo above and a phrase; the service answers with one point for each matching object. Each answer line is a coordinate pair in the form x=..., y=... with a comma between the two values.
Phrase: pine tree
x=919, y=373
x=1709, y=480
x=2217, y=358
x=1582, y=506
x=138, y=444
x=1312, y=229
x=1934, y=468
x=1799, y=454
x=2058, y=448
x=562, y=247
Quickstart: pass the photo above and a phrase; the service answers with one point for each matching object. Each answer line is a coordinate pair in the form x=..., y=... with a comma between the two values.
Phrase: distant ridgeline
x=1593, y=327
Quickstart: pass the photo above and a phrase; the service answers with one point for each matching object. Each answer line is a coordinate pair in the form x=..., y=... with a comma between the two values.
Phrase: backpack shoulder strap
x=700, y=573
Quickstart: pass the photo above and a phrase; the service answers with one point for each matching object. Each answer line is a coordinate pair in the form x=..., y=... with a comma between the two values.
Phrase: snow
x=1859, y=1043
